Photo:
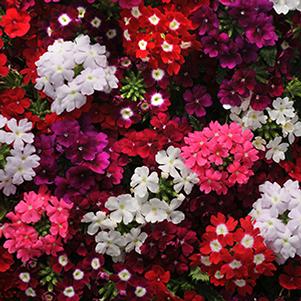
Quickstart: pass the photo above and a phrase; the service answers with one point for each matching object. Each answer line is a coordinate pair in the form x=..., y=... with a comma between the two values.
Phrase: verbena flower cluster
x=277, y=213
x=155, y=199
x=18, y=155
x=159, y=36
x=234, y=254
x=275, y=128
x=70, y=71
x=37, y=226
x=221, y=155
x=150, y=150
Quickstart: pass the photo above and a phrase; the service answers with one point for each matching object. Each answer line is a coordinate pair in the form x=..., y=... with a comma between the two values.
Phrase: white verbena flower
x=68, y=98
x=134, y=240
x=142, y=181
x=282, y=110
x=155, y=210
x=276, y=149
x=169, y=161
x=6, y=183
x=98, y=221
x=186, y=179
x=284, y=6
x=173, y=215
x=109, y=243
x=19, y=133
x=123, y=208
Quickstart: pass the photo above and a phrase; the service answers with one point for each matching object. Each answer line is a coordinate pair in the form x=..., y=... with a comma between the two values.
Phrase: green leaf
x=262, y=74
x=194, y=122
x=269, y=55
x=197, y=275
x=294, y=87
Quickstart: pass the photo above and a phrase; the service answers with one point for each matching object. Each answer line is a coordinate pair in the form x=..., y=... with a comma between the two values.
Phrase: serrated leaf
x=294, y=87
x=269, y=55
x=197, y=275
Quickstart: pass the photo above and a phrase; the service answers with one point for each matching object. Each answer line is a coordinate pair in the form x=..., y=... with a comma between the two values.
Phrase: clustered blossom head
x=19, y=158
x=284, y=6
x=274, y=128
x=222, y=41
x=70, y=71
x=220, y=155
x=160, y=36
x=96, y=99
x=155, y=200
x=277, y=214
x=234, y=254
x=37, y=226
x=79, y=144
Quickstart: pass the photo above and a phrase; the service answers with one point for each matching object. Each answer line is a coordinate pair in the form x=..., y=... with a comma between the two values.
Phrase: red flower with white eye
x=237, y=262
x=15, y=23
x=159, y=36
x=214, y=247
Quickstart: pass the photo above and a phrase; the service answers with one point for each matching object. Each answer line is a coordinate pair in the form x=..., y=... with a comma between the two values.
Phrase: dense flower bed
x=149, y=150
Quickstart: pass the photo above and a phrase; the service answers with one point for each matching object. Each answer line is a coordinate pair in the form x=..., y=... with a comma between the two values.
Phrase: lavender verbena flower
x=197, y=99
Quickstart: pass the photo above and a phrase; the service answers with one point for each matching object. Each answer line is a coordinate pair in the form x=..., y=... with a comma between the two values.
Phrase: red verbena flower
x=15, y=23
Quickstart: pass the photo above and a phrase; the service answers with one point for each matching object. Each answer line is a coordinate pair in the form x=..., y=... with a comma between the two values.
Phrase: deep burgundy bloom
x=229, y=56
x=66, y=132
x=197, y=99
x=228, y=95
x=262, y=33
x=80, y=178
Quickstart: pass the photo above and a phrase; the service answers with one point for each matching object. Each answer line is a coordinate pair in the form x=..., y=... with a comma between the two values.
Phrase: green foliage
x=197, y=275
x=108, y=8
x=294, y=88
x=48, y=277
x=195, y=123
x=12, y=80
x=268, y=55
x=108, y=291
x=4, y=152
x=133, y=87
x=40, y=108
x=262, y=74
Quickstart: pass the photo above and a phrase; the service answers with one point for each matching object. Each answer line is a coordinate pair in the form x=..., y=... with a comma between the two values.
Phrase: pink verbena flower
x=221, y=156
x=31, y=208
x=37, y=226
